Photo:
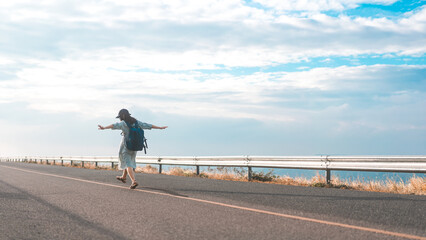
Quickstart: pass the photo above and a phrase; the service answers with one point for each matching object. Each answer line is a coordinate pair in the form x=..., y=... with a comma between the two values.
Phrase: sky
x=228, y=77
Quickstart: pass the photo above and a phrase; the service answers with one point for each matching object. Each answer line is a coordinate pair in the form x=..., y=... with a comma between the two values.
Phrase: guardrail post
x=96, y=164
x=327, y=171
x=62, y=162
x=71, y=163
x=197, y=168
x=112, y=165
x=328, y=176
x=160, y=168
x=82, y=164
x=249, y=172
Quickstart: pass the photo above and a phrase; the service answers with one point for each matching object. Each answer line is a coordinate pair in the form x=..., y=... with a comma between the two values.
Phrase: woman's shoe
x=123, y=180
x=134, y=185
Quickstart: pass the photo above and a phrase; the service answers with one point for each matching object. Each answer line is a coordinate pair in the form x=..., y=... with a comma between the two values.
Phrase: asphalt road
x=53, y=202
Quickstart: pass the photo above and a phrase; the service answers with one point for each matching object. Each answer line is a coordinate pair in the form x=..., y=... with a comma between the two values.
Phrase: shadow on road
x=59, y=212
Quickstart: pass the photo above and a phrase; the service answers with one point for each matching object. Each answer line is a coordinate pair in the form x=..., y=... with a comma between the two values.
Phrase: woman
x=127, y=157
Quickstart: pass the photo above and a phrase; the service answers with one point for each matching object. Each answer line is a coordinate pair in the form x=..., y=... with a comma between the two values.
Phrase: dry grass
x=229, y=174
x=147, y=169
x=76, y=164
x=416, y=185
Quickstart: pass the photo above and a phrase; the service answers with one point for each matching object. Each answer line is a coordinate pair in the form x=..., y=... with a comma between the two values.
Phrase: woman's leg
x=124, y=174
x=131, y=174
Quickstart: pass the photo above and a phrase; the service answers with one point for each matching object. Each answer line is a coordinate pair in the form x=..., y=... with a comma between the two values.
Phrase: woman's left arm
x=107, y=127
x=156, y=127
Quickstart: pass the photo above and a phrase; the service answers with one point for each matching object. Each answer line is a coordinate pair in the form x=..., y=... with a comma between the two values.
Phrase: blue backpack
x=136, y=140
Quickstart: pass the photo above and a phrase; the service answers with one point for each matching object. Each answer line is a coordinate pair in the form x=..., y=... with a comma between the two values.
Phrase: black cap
x=123, y=112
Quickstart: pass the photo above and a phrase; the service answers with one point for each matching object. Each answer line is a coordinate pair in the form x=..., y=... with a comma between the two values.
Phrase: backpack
x=136, y=140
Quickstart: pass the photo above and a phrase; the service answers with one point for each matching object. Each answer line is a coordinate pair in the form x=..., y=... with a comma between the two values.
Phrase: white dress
x=127, y=158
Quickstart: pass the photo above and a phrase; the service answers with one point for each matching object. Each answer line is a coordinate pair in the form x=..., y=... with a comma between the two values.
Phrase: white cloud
x=323, y=5
x=136, y=46
x=5, y=61
x=111, y=12
x=99, y=82
x=190, y=35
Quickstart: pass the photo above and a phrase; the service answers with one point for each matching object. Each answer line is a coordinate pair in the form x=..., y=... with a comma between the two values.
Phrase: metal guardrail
x=407, y=164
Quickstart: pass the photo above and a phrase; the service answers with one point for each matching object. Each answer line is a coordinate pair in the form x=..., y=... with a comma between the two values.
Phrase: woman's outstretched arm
x=156, y=127
x=102, y=128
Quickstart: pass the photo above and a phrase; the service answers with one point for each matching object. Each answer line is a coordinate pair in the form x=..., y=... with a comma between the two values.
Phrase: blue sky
x=259, y=77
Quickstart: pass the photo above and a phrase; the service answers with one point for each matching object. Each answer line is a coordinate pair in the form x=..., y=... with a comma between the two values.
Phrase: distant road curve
x=39, y=202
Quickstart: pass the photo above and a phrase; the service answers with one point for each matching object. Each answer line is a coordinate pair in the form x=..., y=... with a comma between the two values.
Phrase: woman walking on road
x=127, y=157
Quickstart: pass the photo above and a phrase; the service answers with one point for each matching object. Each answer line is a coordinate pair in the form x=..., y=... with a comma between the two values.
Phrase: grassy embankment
x=416, y=185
